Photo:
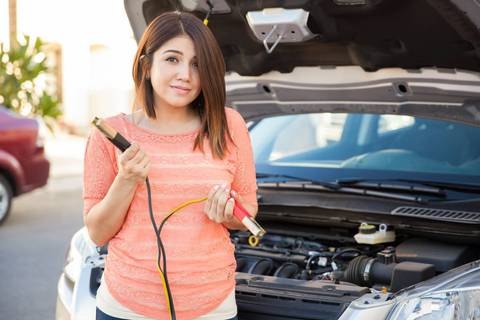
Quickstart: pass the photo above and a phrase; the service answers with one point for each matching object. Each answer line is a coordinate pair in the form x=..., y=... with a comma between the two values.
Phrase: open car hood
x=372, y=34
x=413, y=57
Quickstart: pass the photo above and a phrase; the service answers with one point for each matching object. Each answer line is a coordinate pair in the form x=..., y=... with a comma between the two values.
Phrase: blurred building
x=92, y=48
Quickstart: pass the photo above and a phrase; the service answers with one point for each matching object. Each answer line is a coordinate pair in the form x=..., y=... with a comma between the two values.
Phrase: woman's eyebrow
x=177, y=52
x=174, y=51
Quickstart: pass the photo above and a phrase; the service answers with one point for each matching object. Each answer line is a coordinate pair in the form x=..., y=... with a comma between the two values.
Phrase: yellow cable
x=173, y=211
x=183, y=205
x=205, y=22
x=165, y=290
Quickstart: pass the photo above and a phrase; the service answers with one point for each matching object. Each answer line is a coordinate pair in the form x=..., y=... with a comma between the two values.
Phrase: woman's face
x=174, y=73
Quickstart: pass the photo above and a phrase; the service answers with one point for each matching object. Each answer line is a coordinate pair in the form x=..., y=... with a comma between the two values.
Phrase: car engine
x=302, y=275
x=388, y=267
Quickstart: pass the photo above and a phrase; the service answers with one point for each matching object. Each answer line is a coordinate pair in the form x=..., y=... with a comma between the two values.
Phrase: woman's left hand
x=220, y=203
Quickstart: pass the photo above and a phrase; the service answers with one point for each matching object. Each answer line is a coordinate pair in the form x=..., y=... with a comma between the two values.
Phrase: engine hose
x=366, y=271
x=355, y=270
x=241, y=262
x=261, y=267
x=300, y=259
x=286, y=270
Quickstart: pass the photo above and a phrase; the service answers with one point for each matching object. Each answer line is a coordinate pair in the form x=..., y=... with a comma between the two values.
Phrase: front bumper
x=74, y=300
x=64, y=300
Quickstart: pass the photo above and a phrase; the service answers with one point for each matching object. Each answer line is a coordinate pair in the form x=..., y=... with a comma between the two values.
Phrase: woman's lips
x=180, y=90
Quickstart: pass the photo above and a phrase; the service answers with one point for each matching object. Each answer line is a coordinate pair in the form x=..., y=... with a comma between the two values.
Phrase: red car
x=23, y=166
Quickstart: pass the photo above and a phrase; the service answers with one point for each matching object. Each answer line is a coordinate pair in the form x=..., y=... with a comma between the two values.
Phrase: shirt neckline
x=192, y=133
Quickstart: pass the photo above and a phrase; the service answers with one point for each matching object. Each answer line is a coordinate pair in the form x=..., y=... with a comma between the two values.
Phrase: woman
x=190, y=146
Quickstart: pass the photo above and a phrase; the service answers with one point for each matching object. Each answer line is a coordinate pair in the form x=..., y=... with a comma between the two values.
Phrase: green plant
x=23, y=85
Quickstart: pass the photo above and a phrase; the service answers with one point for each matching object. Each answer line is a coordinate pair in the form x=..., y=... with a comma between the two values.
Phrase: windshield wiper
x=396, y=185
x=343, y=186
x=463, y=187
x=286, y=179
x=421, y=186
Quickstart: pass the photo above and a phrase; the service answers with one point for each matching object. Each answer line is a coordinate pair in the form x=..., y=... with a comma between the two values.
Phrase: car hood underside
x=372, y=34
x=412, y=57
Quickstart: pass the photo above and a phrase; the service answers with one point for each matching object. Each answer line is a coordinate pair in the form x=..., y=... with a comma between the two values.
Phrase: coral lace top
x=200, y=255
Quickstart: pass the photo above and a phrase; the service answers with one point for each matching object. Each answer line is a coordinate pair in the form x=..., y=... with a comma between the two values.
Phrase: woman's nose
x=184, y=71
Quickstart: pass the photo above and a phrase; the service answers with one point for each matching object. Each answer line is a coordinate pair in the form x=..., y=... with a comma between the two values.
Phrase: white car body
x=450, y=92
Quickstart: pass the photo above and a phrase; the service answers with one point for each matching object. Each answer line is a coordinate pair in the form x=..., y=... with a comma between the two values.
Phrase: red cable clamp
x=247, y=220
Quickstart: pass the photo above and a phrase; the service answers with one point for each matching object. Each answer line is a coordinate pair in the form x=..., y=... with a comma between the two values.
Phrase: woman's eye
x=195, y=65
x=172, y=59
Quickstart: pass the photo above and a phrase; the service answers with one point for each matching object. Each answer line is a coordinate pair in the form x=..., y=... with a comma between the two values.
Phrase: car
x=364, y=117
x=23, y=165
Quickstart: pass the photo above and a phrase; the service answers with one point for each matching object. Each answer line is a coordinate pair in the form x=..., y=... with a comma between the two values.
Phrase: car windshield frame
x=326, y=171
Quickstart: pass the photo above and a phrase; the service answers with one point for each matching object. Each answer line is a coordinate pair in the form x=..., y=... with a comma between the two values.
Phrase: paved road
x=33, y=241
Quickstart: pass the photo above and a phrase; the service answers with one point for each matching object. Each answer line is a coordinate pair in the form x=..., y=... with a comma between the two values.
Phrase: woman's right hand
x=133, y=164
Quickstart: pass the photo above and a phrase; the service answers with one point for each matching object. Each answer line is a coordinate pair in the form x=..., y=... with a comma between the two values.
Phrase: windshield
x=378, y=142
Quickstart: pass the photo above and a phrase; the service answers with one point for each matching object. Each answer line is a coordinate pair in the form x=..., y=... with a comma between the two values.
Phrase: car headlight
x=42, y=134
x=451, y=296
x=441, y=306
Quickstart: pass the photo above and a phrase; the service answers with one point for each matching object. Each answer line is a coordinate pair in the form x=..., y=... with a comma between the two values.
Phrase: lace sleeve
x=244, y=181
x=99, y=169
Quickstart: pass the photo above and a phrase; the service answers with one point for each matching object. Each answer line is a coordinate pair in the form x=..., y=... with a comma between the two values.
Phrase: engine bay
x=311, y=273
x=384, y=266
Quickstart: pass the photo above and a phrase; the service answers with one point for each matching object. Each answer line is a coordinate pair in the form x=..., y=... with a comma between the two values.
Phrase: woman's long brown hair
x=210, y=103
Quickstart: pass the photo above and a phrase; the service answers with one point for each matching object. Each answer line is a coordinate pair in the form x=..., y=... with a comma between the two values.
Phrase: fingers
x=208, y=203
x=129, y=153
x=219, y=205
x=213, y=212
x=221, y=202
x=134, y=163
x=138, y=159
x=236, y=196
x=144, y=166
x=229, y=209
